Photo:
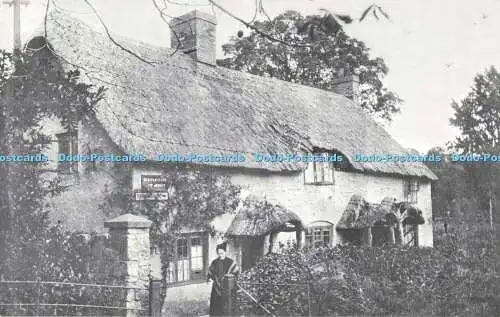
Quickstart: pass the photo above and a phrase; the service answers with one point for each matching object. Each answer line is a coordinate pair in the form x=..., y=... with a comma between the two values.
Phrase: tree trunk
x=272, y=242
x=392, y=235
x=369, y=236
x=401, y=233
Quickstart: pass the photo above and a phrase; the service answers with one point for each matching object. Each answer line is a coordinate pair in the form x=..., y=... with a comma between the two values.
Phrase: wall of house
x=78, y=207
x=327, y=202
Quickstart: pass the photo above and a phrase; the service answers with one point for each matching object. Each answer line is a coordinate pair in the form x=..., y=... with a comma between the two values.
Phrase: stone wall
x=129, y=241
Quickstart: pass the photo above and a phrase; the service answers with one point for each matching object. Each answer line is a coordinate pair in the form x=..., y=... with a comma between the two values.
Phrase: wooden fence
x=48, y=298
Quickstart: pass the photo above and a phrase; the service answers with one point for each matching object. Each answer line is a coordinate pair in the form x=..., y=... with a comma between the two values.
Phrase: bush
x=457, y=277
x=58, y=256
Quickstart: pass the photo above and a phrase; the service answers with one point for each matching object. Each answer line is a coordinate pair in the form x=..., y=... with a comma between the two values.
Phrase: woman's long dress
x=216, y=272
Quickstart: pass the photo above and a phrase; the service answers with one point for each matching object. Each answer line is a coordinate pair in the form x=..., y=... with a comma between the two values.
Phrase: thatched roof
x=361, y=214
x=258, y=218
x=376, y=214
x=179, y=106
x=414, y=216
x=351, y=213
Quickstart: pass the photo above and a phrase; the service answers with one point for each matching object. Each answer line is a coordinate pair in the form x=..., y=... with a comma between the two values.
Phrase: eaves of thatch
x=176, y=105
x=360, y=214
x=257, y=218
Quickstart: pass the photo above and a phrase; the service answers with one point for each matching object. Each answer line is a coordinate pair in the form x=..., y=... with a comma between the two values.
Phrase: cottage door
x=251, y=249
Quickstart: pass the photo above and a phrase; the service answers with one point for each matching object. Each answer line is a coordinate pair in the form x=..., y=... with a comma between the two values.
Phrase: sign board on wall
x=153, y=187
x=151, y=196
x=153, y=183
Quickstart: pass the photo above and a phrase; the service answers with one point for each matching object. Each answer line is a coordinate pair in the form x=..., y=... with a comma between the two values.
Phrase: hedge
x=459, y=276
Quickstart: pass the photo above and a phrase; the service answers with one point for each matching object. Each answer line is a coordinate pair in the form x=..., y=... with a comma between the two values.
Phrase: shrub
x=457, y=277
x=58, y=256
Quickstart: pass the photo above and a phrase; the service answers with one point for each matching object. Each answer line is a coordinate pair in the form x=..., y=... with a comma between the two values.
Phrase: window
x=319, y=173
x=319, y=234
x=189, y=259
x=67, y=144
x=410, y=190
x=155, y=250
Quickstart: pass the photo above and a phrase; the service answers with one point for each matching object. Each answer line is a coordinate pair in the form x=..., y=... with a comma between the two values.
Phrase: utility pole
x=17, y=22
x=7, y=218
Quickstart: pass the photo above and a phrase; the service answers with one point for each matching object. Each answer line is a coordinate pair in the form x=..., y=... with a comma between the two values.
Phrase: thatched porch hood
x=360, y=214
x=176, y=105
x=258, y=218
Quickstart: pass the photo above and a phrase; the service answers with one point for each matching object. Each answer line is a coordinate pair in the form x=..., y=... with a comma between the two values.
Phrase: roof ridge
x=171, y=50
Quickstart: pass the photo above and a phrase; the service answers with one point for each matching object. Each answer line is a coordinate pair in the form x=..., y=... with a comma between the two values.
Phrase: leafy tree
x=478, y=115
x=478, y=118
x=452, y=189
x=329, y=49
x=32, y=88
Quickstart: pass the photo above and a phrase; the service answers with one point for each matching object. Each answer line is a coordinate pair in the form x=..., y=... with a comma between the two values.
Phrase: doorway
x=252, y=248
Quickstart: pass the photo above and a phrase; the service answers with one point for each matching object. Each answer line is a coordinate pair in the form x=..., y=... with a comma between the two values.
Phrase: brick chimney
x=196, y=32
x=346, y=84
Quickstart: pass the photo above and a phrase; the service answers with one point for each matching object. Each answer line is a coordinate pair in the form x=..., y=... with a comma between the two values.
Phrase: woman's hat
x=222, y=246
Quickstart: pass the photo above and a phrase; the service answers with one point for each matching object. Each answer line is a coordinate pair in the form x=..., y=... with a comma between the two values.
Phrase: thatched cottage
x=183, y=103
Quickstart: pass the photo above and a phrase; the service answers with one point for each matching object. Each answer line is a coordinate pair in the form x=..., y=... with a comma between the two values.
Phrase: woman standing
x=219, y=267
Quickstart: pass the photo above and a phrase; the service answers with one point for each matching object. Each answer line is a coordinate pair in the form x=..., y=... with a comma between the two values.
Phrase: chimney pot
x=195, y=31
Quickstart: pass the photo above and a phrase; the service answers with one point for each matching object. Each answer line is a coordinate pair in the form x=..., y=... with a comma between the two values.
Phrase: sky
x=433, y=48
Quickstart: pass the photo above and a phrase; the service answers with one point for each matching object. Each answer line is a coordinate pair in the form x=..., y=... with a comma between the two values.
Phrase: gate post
x=155, y=300
x=228, y=285
x=129, y=235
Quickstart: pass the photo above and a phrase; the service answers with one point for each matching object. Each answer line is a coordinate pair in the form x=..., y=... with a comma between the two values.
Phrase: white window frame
x=71, y=140
x=411, y=188
x=322, y=227
x=315, y=172
x=176, y=264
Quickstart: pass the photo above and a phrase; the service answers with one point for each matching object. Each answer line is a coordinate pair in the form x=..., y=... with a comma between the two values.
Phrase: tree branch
x=162, y=16
x=112, y=39
x=257, y=30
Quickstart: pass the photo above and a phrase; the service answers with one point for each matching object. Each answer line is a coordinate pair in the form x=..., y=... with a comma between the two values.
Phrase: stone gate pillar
x=129, y=235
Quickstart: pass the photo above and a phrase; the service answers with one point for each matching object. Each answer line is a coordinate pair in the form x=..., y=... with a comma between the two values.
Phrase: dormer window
x=411, y=187
x=320, y=171
x=67, y=144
